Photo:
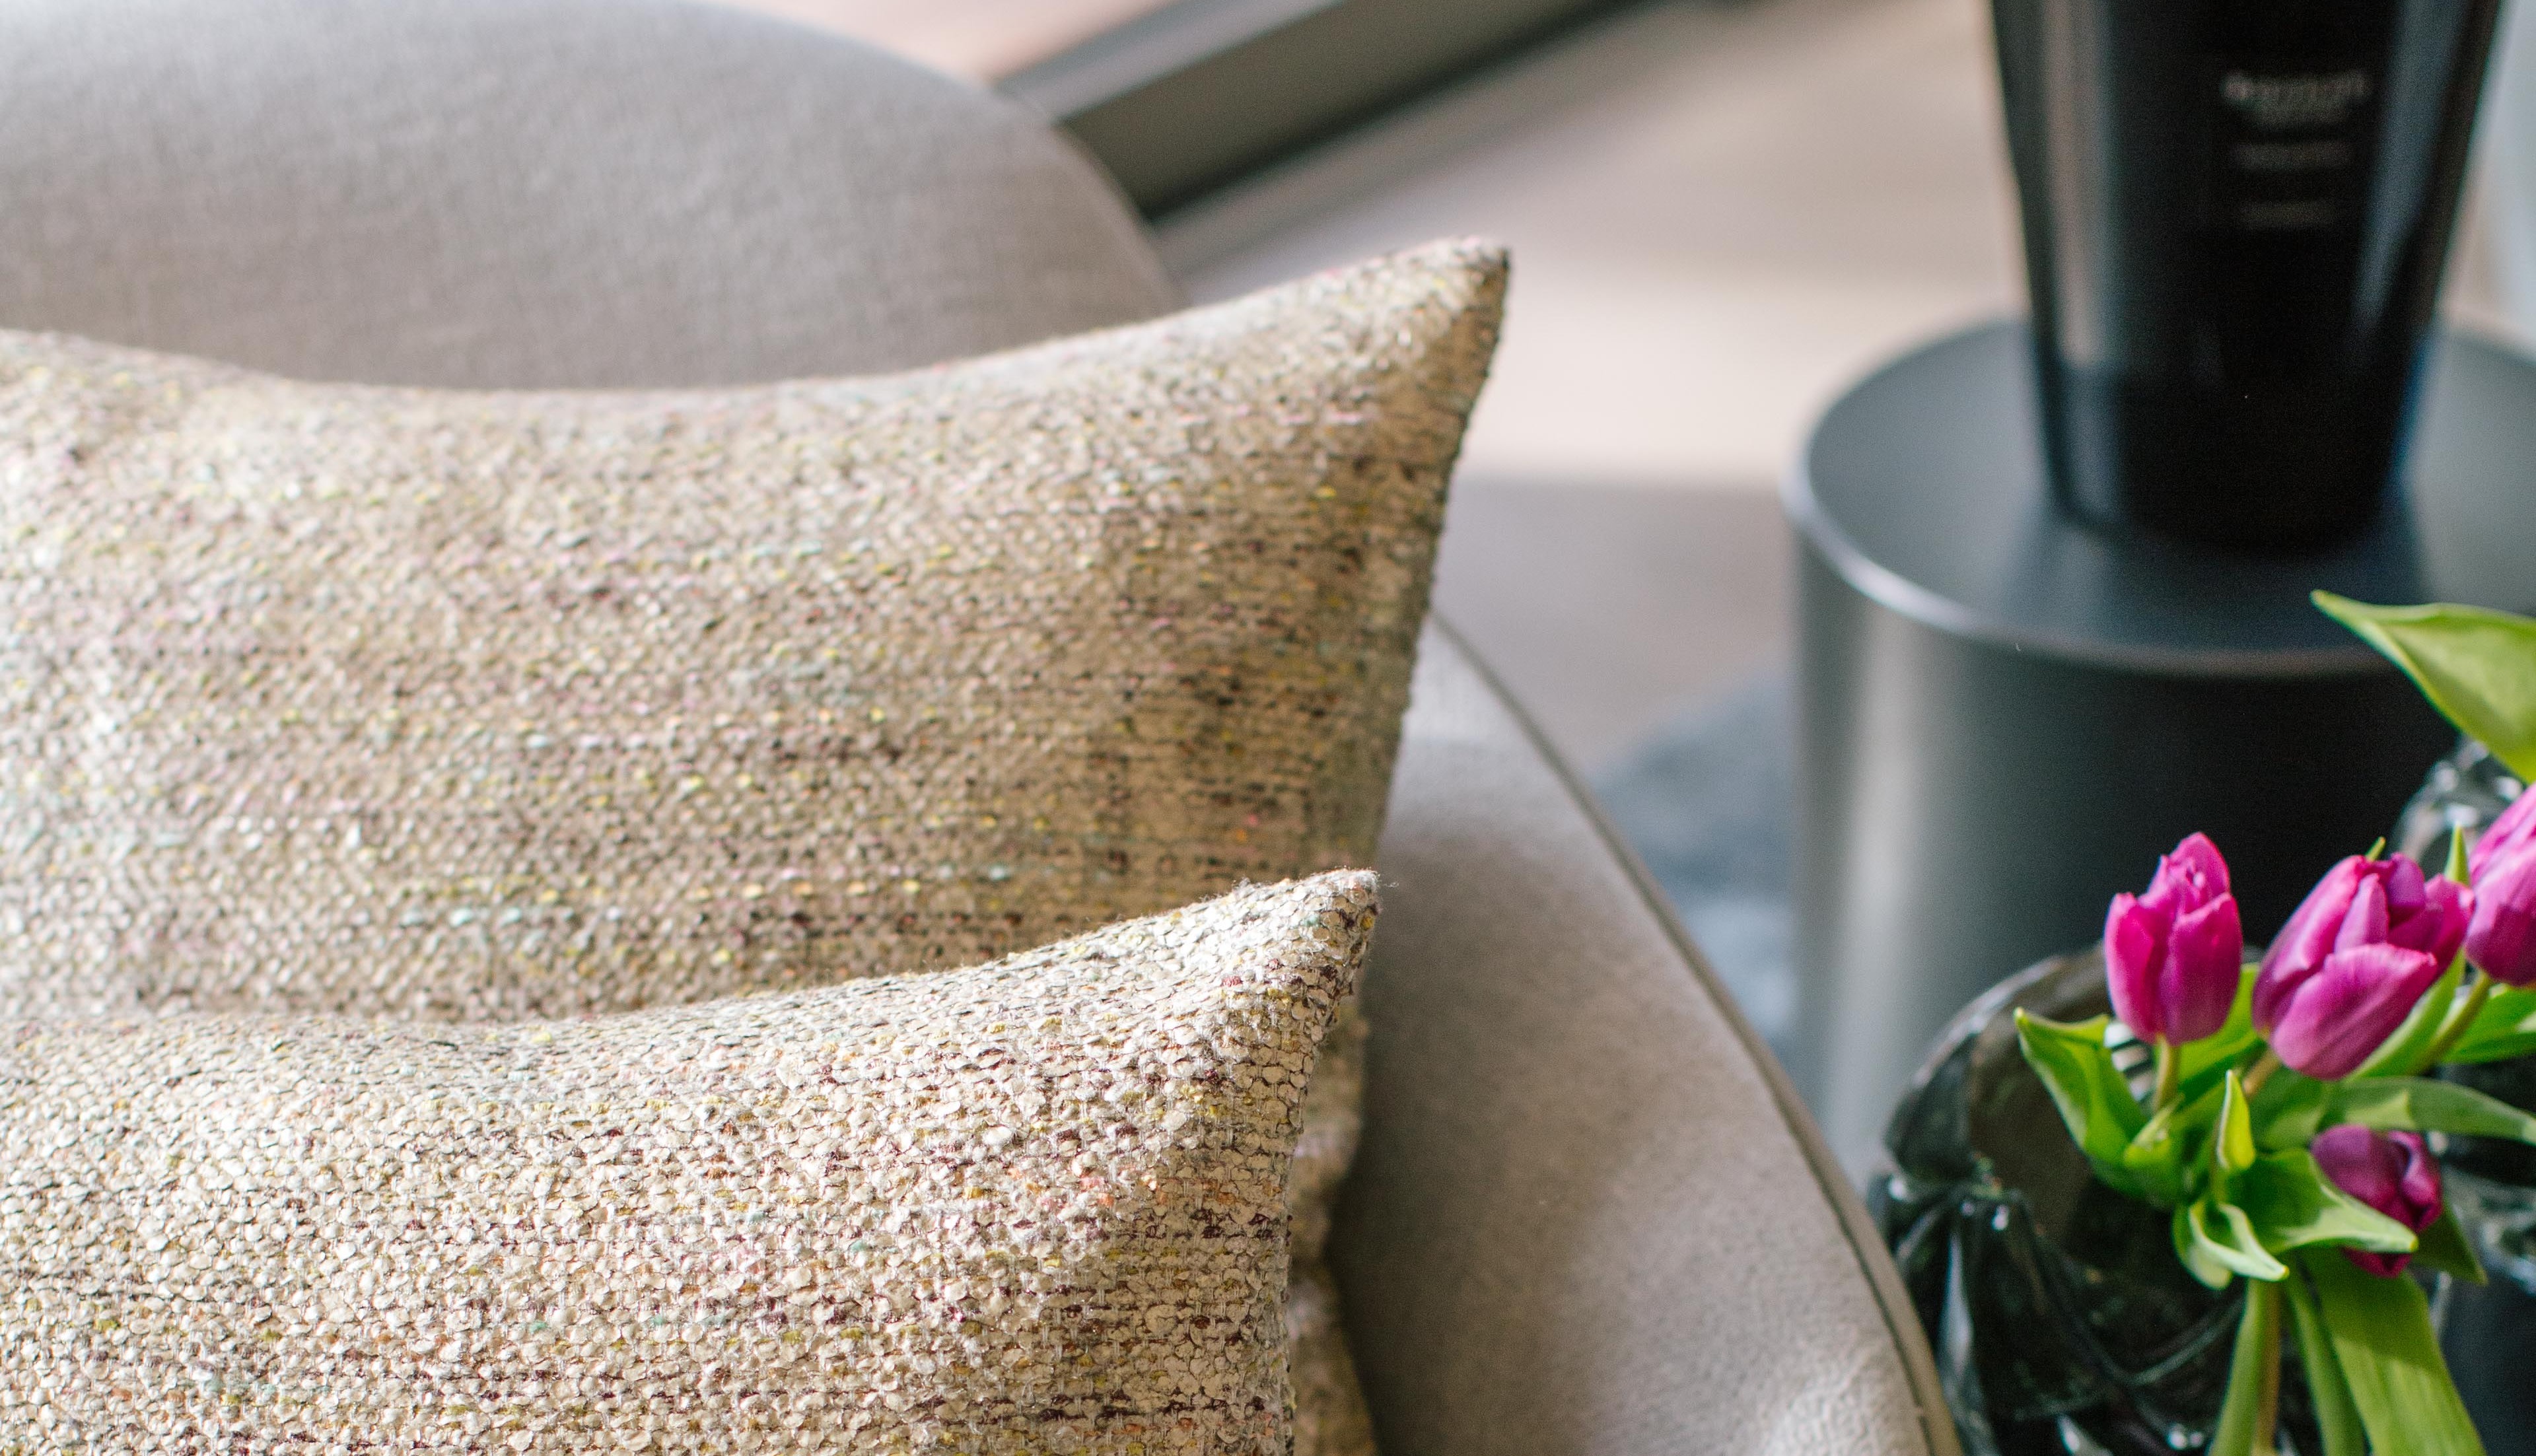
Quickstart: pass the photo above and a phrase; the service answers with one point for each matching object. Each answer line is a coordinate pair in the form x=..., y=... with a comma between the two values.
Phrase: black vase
x=2236, y=214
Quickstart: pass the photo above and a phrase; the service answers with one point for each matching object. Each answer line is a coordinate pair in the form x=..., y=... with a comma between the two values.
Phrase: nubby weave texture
x=1032, y=1205
x=487, y=705
x=468, y=705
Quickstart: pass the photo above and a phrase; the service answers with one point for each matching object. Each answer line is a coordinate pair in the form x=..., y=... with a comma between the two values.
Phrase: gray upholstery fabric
x=565, y=192
x=1587, y=1217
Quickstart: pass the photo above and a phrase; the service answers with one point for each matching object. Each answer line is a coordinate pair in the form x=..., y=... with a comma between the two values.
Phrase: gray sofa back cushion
x=613, y=192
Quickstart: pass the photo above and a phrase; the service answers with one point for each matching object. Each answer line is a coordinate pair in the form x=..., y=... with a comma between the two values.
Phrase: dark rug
x=1708, y=800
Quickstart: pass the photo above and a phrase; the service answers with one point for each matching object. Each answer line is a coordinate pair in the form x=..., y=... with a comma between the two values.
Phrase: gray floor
x=1609, y=609
x=1645, y=629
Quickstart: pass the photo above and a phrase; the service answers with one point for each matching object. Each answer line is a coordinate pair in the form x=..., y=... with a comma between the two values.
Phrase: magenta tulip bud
x=2502, y=937
x=2171, y=955
x=2514, y=831
x=2329, y=1021
x=2355, y=957
x=2390, y=1171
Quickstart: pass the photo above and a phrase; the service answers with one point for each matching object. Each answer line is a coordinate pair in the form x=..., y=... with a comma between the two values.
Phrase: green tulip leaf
x=2223, y=1235
x=2155, y=1164
x=2189, y=1251
x=2246, y=1412
x=2401, y=1055
x=2200, y=1063
x=2232, y=1141
x=2293, y=1205
x=2473, y=665
x=2447, y=1248
x=2419, y=1105
x=2505, y=1028
x=2160, y=1156
x=2337, y=1419
x=2381, y=1330
x=2289, y=1108
x=2094, y=1098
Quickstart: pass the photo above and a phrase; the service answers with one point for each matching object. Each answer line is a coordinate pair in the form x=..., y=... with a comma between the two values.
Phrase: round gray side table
x=2006, y=716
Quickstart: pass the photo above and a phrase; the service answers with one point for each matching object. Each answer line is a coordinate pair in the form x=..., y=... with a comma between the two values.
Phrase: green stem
x=2249, y=1412
x=2169, y=1075
x=2336, y=1416
x=2270, y=1409
x=2262, y=1069
x=2460, y=1021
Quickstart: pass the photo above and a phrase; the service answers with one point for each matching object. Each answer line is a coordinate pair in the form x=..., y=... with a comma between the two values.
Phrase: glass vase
x=2063, y=1322
x=2488, y=1332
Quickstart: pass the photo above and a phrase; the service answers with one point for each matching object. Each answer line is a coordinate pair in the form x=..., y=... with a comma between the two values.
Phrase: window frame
x=1201, y=94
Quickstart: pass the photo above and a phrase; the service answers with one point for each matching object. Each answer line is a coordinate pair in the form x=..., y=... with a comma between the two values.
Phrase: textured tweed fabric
x=464, y=705
x=441, y=704
x=1033, y=1206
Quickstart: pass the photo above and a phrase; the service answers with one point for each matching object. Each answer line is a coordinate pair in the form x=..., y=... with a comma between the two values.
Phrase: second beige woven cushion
x=1027, y=1206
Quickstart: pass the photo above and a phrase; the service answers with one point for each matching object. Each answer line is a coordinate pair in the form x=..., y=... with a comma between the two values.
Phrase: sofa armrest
x=1588, y=1214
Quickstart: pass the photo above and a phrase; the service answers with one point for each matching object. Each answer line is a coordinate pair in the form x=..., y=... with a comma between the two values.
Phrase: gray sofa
x=1590, y=1216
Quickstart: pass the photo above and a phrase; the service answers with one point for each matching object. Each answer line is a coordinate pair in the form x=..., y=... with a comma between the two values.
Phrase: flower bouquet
x=2285, y=1131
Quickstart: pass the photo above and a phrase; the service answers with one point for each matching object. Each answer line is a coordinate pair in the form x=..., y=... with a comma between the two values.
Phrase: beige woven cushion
x=470, y=705
x=1033, y=1206
x=463, y=704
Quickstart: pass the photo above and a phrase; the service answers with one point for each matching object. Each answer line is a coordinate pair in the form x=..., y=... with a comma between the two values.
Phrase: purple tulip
x=2173, y=955
x=2502, y=937
x=2390, y=1171
x=2514, y=830
x=2355, y=957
